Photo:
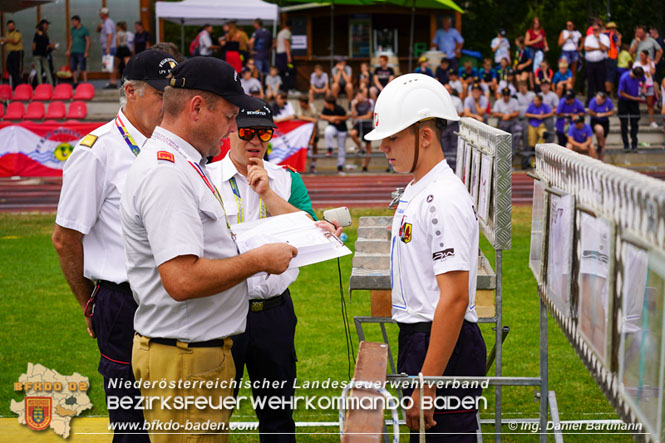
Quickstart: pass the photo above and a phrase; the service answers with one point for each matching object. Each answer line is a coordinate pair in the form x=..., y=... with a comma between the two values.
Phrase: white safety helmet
x=408, y=99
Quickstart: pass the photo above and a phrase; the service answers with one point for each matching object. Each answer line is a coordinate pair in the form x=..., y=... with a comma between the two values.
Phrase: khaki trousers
x=179, y=364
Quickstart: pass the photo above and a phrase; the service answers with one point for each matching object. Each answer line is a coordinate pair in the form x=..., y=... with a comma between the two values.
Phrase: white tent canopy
x=200, y=12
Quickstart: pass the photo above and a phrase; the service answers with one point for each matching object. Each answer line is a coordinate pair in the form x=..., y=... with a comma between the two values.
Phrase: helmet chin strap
x=415, y=155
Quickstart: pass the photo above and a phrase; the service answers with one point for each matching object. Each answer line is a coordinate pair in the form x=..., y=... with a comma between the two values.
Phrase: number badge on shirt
x=405, y=230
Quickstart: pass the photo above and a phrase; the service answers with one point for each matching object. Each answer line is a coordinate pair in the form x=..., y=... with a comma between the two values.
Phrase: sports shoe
x=312, y=169
x=654, y=125
x=111, y=86
x=329, y=153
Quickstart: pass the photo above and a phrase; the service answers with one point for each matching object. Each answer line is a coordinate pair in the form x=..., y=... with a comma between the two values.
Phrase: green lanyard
x=238, y=198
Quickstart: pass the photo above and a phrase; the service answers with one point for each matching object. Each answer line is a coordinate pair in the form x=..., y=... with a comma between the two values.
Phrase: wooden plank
x=366, y=425
x=485, y=303
x=381, y=302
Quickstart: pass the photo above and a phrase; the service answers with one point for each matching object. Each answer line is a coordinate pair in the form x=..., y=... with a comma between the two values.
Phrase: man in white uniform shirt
x=87, y=234
x=434, y=253
x=253, y=189
x=182, y=261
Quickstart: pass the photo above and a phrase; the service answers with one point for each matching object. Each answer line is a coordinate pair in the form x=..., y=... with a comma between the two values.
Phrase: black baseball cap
x=152, y=67
x=505, y=91
x=476, y=86
x=260, y=117
x=502, y=32
x=570, y=94
x=578, y=119
x=452, y=72
x=213, y=75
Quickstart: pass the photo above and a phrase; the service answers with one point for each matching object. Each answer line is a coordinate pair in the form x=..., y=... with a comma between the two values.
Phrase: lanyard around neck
x=127, y=136
x=238, y=198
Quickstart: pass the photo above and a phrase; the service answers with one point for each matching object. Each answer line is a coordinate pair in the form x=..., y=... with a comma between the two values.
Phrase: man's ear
x=195, y=105
x=427, y=136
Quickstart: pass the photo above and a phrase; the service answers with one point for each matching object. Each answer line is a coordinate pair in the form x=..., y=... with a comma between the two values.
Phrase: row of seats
x=45, y=92
x=36, y=111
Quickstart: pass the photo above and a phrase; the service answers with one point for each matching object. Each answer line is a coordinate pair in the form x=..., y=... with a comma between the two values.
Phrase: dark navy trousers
x=468, y=359
x=113, y=323
x=267, y=349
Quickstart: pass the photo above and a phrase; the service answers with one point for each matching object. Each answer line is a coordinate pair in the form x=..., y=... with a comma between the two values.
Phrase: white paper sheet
x=297, y=229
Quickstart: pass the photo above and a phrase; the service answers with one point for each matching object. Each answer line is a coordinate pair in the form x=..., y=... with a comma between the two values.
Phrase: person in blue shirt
x=449, y=41
x=629, y=105
x=563, y=78
x=569, y=108
x=488, y=76
x=600, y=110
x=537, y=112
x=423, y=67
x=442, y=71
x=580, y=138
x=467, y=75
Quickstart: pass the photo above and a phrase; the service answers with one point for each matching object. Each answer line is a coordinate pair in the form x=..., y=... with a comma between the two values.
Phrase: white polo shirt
x=434, y=231
x=249, y=202
x=92, y=181
x=168, y=210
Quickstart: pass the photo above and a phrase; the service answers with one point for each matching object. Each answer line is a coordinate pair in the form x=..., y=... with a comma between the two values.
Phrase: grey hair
x=139, y=86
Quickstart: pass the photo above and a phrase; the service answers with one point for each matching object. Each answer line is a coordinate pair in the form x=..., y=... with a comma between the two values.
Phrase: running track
x=354, y=191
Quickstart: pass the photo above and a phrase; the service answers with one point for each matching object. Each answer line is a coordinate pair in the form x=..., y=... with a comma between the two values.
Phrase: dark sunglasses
x=247, y=134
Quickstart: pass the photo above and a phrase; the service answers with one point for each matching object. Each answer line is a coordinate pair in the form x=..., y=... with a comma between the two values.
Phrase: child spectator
x=423, y=67
x=488, y=77
x=580, y=138
x=475, y=106
x=455, y=83
x=442, y=71
x=502, y=70
x=507, y=111
x=650, y=91
x=507, y=83
x=383, y=75
x=341, y=78
x=318, y=83
x=248, y=82
x=123, y=51
x=273, y=84
x=282, y=109
x=523, y=61
x=562, y=78
x=467, y=74
x=624, y=60
x=524, y=97
x=361, y=113
x=543, y=73
x=309, y=114
x=569, y=107
x=366, y=80
x=550, y=99
x=600, y=110
x=501, y=47
x=336, y=117
x=537, y=113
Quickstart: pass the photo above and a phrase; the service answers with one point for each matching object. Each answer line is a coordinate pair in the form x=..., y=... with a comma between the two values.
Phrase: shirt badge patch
x=405, y=232
x=164, y=155
x=89, y=140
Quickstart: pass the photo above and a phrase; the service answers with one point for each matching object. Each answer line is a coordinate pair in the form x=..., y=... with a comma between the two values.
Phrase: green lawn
x=43, y=324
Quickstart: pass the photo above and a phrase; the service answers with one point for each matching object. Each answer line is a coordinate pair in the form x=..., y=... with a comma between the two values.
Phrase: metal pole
x=332, y=36
x=543, y=371
x=413, y=21
x=499, y=333
x=182, y=36
x=607, y=3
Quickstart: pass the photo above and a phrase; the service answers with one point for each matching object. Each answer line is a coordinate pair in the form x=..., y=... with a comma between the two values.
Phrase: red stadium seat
x=56, y=110
x=35, y=111
x=15, y=111
x=84, y=91
x=63, y=92
x=2, y=110
x=43, y=92
x=77, y=110
x=23, y=92
x=5, y=93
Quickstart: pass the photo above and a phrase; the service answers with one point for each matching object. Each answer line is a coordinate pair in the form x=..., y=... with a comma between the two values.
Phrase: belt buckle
x=256, y=306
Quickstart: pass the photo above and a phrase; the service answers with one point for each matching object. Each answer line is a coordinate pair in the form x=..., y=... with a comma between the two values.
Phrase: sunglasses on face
x=247, y=134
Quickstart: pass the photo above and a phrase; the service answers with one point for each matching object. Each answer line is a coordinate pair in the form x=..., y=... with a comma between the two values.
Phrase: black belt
x=109, y=284
x=259, y=305
x=216, y=343
x=425, y=326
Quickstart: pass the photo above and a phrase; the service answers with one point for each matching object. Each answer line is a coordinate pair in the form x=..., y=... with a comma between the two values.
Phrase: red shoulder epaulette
x=165, y=155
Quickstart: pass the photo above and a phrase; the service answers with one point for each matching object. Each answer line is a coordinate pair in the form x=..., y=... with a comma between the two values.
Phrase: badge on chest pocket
x=405, y=230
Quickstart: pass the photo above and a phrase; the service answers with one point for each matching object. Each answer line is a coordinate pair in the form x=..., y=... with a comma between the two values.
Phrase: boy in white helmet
x=433, y=256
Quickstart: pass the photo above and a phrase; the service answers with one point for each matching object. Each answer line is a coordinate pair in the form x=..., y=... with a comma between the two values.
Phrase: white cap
x=104, y=11
x=408, y=99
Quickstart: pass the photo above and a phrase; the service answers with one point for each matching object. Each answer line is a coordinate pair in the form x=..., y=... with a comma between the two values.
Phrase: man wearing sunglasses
x=252, y=189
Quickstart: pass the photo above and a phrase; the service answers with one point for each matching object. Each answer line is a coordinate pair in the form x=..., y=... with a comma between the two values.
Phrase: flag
x=39, y=149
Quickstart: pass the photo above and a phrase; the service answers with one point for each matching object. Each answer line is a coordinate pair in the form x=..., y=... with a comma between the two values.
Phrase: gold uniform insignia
x=89, y=140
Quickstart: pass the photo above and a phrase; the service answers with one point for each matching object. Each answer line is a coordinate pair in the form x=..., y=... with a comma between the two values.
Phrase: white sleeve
x=170, y=214
x=451, y=226
x=83, y=190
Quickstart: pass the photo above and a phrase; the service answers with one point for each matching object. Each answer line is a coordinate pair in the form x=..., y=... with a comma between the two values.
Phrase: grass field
x=41, y=323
